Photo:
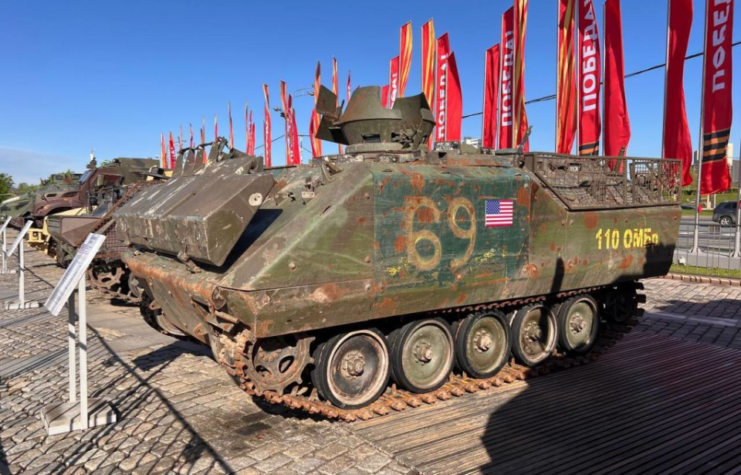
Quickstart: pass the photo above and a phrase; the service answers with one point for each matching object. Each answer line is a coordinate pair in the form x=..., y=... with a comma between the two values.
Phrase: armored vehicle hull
x=314, y=285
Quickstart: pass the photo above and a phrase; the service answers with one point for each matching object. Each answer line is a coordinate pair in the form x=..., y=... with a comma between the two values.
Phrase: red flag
x=566, y=86
x=216, y=128
x=203, y=130
x=521, y=124
x=231, y=127
x=428, y=62
x=454, y=97
x=163, y=151
x=295, y=144
x=172, y=152
x=393, y=80
x=677, y=142
x=316, y=144
x=192, y=143
x=247, y=128
x=441, y=86
x=287, y=121
x=385, y=95
x=252, y=137
x=267, y=129
x=506, y=103
x=491, y=84
x=349, y=90
x=405, y=56
x=590, y=75
x=336, y=90
x=617, y=123
x=717, y=101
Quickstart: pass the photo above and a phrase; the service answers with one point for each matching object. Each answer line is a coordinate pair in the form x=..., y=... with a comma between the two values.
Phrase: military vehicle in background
x=120, y=172
x=316, y=285
x=67, y=232
x=20, y=207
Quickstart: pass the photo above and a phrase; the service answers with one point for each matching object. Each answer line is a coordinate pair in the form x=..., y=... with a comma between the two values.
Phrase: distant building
x=474, y=142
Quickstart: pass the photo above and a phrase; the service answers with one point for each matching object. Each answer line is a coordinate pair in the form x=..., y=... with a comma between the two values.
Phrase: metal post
x=4, y=229
x=82, y=311
x=701, y=145
x=737, y=245
x=21, y=278
x=71, y=340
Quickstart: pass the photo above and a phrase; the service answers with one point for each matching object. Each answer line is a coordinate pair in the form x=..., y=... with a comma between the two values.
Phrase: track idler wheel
x=578, y=324
x=534, y=334
x=351, y=370
x=482, y=344
x=422, y=355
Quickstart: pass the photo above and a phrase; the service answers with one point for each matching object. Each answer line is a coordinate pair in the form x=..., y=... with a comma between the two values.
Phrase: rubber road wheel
x=534, y=334
x=578, y=324
x=482, y=344
x=422, y=355
x=351, y=370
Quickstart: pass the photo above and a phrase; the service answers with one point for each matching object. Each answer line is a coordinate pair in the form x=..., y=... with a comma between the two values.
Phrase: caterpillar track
x=305, y=398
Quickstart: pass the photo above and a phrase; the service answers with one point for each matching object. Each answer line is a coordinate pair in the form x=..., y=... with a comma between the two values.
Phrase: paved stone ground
x=180, y=413
x=178, y=410
x=698, y=312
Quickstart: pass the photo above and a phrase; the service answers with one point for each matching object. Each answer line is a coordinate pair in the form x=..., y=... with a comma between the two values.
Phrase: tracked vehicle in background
x=20, y=207
x=318, y=285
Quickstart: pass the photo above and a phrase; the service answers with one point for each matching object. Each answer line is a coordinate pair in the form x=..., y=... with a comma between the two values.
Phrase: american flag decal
x=499, y=213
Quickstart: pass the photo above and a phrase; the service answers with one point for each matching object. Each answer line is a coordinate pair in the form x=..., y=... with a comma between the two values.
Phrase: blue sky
x=111, y=75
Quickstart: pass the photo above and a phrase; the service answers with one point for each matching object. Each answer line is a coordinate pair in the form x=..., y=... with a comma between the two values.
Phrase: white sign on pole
x=74, y=273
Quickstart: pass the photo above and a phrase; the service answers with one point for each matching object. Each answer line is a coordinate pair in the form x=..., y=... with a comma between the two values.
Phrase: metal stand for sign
x=22, y=303
x=63, y=417
x=4, y=232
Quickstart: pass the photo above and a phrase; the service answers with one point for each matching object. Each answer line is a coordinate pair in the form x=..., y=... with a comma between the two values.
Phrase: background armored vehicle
x=316, y=285
x=120, y=172
x=65, y=232
x=20, y=207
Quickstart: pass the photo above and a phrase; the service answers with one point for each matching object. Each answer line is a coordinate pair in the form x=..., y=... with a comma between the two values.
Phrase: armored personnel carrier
x=393, y=275
x=20, y=207
x=120, y=172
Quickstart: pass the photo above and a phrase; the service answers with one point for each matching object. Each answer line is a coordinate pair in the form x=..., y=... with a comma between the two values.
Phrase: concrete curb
x=703, y=279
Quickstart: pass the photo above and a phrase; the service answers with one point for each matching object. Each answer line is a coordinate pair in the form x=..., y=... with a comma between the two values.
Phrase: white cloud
x=29, y=166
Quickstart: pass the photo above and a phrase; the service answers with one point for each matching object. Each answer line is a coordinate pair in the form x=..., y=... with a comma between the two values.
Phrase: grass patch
x=691, y=212
x=709, y=271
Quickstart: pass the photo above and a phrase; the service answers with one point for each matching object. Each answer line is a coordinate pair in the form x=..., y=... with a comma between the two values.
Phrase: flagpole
x=577, y=65
x=701, y=145
x=602, y=88
x=483, y=115
x=666, y=74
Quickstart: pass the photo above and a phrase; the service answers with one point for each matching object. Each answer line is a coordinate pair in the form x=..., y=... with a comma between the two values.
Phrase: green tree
x=6, y=184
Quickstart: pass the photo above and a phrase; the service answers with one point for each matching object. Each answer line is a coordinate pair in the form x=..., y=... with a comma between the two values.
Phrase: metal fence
x=717, y=254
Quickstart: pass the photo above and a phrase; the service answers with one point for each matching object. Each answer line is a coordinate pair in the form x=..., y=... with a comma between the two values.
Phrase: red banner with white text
x=491, y=85
x=520, y=124
x=393, y=80
x=172, y=152
x=590, y=77
x=454, y=97
x=717, y=99
x=506, y=104
x=295, y=144
x=441, y=100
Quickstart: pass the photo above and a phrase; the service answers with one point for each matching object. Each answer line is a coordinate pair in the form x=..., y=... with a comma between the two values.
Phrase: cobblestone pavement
x=178, y=410
x=180, y=413
x=688, y=311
